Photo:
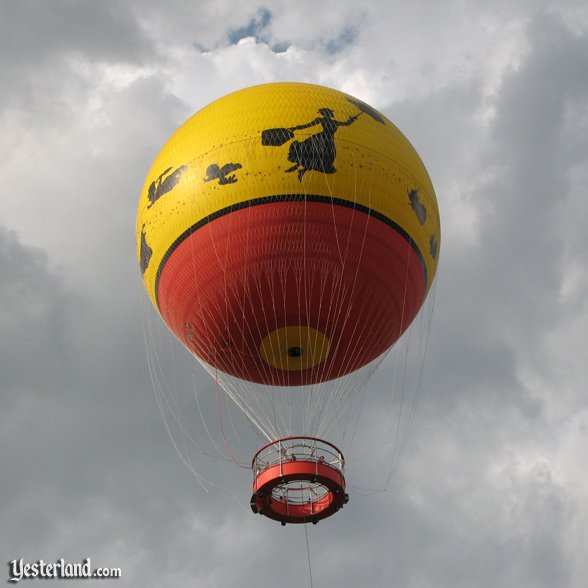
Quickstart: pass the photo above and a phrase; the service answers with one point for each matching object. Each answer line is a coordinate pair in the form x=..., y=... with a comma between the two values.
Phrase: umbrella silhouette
x=365, y=108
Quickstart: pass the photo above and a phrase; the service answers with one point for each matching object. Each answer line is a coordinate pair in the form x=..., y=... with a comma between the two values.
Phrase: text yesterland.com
x=18, y=570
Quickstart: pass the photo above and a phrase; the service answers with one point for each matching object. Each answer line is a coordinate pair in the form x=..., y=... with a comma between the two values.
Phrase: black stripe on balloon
x=289, y=198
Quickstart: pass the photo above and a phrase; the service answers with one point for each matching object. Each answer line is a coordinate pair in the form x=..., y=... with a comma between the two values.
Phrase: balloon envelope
x=288, y=234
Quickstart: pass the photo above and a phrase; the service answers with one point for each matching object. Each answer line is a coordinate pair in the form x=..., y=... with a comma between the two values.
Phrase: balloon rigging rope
x=203, y=420
x=419, y=384
x=161, y=398
x=318, y=396
x=420, y=330
x=239, y=394
x=333, y=403
x=220, y=419
x=167, y=406
x=395, y=444
x=308, y=555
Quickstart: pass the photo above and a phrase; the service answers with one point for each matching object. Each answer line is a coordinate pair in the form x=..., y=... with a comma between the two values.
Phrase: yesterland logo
x=19, y=570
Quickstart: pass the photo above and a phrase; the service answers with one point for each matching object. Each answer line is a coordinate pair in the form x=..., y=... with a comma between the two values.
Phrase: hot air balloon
x=288, y=235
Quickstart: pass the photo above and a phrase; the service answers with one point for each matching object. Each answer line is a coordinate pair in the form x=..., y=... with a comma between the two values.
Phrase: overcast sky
x=492, y=486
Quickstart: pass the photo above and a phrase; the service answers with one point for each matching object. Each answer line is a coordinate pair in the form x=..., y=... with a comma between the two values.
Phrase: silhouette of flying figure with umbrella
x=318, y=151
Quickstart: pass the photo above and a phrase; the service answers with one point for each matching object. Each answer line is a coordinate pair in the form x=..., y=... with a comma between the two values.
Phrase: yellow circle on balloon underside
x=294, y=348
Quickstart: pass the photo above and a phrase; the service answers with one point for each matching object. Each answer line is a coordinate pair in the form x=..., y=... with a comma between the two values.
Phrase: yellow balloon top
x=235, y=150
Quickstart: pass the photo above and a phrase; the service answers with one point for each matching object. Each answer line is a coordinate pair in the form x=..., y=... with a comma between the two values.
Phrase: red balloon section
x=348, y=274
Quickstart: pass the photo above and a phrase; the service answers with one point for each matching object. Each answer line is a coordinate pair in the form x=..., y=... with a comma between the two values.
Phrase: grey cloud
x=31, y=317
x=37, y=38
x=33, y=30
x=525, y=204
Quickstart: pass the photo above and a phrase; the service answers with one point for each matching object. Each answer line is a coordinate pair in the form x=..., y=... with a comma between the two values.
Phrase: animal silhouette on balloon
x=216, y=172
x=164, y=184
